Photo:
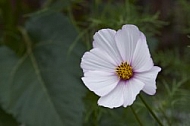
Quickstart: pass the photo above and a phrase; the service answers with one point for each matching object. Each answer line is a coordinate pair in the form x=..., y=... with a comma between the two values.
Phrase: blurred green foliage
x=41, y=44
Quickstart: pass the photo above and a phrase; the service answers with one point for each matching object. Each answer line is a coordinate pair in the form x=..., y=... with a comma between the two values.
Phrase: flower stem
x=150, y=110
x=136, y=116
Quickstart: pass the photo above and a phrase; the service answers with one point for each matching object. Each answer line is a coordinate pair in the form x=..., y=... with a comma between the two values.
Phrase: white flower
x=119, y=66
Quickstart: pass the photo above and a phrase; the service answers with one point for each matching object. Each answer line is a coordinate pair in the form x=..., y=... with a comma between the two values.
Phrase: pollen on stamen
x=124, y=71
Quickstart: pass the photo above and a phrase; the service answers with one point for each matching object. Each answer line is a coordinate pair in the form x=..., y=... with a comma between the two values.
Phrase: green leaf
x=43, y=88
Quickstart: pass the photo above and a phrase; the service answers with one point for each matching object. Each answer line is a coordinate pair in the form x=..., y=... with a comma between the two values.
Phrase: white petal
x=126, y=40
x=100, y=82
x=124, y=94
x=142, y=60
x=97, y=59
x=104, y=39
x=131, y=90
x=114, y=98
x=149, y=78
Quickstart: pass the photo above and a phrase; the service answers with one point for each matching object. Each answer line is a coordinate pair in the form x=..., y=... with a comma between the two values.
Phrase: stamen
x=124, y=71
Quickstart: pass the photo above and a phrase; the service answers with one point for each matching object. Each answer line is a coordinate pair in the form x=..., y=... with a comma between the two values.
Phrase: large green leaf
x=43, y=88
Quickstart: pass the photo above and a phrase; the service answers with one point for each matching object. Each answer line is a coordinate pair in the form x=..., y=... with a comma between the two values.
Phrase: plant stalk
x=136, y=116
x=150, y=110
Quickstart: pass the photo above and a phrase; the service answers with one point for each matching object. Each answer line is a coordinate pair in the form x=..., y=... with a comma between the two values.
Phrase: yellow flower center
x=124, y=71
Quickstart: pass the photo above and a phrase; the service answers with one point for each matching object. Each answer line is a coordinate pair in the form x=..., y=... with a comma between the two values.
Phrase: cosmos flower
x=119, y=66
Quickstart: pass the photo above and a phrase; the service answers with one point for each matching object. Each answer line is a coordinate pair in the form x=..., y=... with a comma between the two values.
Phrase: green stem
x=136, y=116
x=164, y=114
x=150, y=110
